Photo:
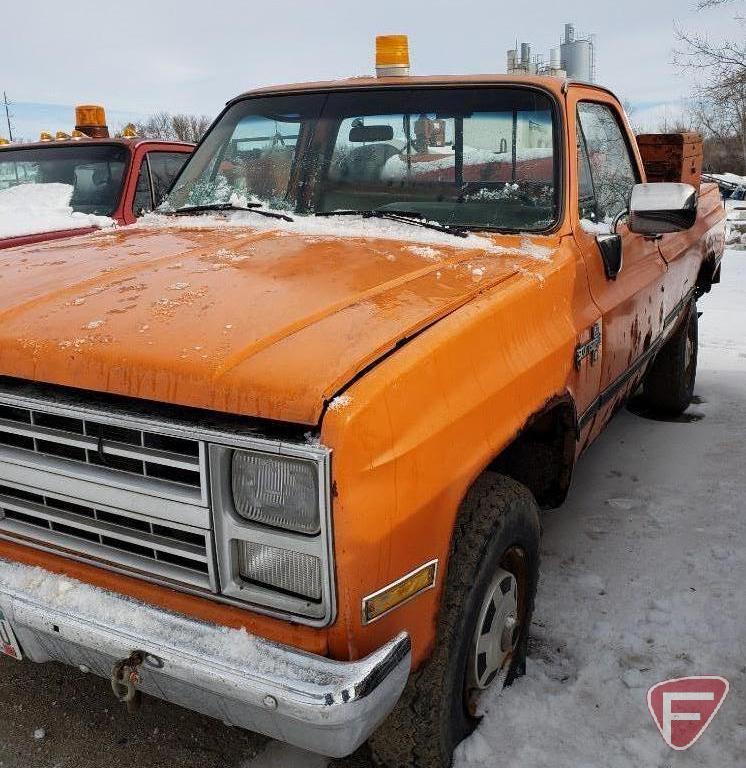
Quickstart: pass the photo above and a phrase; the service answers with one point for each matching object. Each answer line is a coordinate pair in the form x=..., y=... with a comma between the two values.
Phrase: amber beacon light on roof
x=392, y=56
x=90, y=119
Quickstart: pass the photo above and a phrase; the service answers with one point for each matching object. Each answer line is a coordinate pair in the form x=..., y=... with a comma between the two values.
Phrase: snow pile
x=726, y=178
x=593, y=227
x=31, y=209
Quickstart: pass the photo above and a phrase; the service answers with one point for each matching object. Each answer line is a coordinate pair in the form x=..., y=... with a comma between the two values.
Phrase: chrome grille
x=140, y=543
x=121, y=448
x=130, y=486
x=100, y=487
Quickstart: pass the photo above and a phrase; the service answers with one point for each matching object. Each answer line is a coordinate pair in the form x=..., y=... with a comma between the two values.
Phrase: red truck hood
x=262, y=323
x=42, y=237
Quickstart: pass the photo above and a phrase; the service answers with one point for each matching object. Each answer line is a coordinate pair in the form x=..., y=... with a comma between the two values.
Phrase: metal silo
x=577, y=56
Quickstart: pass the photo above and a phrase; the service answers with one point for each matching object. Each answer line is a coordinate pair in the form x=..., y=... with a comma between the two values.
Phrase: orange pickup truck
x=277, y=452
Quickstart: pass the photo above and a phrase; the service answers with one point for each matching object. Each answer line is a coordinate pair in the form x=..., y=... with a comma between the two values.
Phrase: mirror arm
x=618, y=220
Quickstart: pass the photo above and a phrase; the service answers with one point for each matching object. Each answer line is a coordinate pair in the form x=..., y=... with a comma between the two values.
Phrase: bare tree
x=719, y=70
x=702, y=4
x=190, y=127
x=179, y=127
x=157, y=126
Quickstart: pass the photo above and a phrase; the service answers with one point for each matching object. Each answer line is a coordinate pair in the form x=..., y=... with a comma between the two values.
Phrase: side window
x=164, y=168
x=611, y=168
x=143, y=202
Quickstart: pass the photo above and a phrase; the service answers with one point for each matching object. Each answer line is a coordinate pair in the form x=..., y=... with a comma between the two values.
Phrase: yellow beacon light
x=392, y=56
x=129, y=132
x=90, y=119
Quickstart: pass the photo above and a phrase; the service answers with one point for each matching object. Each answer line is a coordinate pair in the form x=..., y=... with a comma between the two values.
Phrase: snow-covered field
x=30, y=209
x=643, y=579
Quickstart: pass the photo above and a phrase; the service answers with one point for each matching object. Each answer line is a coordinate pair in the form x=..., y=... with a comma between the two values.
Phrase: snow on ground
x=30, y=209
x=643, y=579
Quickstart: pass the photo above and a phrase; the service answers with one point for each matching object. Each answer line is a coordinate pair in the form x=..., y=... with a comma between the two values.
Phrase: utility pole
x=7, y=116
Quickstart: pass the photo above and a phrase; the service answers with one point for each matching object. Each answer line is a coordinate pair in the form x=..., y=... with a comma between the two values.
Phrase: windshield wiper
x=408, y=217
x=253, y=207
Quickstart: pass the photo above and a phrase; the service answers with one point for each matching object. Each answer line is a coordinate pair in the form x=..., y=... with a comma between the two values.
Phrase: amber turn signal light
x=392, y=56
x=380, y=603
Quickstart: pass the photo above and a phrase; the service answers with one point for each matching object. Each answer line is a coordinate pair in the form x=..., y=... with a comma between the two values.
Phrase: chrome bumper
x=324, y=706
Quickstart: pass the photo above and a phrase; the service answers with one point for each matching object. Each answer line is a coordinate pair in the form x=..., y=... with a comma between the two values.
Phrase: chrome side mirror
x=658, y=209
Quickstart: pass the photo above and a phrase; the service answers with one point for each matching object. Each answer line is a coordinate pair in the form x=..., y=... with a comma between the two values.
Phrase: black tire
x=498, y=527
x=669, y=384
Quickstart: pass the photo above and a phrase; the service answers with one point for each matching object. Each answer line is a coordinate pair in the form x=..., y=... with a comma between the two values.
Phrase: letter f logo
x=683, y=708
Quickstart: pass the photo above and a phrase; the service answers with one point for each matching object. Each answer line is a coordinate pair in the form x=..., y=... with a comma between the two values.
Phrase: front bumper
x=324, y=706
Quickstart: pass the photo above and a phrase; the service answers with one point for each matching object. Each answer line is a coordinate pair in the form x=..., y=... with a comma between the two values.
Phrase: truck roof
x=547, y=82
x=131, y=143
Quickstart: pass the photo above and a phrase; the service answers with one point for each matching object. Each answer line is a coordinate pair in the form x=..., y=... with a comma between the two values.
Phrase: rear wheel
x=482, y=628
x=669, y=384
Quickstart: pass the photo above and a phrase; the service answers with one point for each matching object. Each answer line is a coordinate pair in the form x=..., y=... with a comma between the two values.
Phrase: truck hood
x=268, y=323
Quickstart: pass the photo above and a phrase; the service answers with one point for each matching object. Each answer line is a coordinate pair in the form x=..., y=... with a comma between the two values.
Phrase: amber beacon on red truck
x=324, y=393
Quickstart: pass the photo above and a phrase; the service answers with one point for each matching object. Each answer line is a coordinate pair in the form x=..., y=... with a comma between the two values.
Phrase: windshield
x=472, y=157
x=95, y=172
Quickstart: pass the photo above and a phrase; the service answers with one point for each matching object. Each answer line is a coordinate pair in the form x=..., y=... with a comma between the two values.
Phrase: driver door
x=631, y=300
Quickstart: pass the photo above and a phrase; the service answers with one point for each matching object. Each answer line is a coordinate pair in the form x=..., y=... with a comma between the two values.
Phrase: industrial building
x=575, y=57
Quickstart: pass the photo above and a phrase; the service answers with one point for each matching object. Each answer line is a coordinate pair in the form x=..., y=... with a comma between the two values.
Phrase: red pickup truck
x=118, y=178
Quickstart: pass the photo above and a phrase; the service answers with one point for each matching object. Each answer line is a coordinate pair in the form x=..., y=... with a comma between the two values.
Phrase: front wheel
x=669, y=384
x=482, y=628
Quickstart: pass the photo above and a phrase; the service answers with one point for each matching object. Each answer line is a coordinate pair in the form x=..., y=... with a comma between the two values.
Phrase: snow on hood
x=321, y=228
x=31, y=209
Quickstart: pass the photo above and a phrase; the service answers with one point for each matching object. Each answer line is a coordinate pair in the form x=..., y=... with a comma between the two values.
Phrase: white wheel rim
x=496, y=634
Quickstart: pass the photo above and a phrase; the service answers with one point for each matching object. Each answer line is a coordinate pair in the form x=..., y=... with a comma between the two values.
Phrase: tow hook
x=124, y=677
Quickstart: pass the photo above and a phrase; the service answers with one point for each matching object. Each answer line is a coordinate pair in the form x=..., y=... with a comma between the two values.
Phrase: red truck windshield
x=95, y=172
x=472, y=157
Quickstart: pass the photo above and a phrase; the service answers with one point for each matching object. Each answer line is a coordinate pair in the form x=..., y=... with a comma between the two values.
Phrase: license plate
x=8, y=643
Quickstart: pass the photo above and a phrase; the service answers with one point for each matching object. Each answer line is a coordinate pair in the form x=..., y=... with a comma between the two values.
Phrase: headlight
x=271, y=510
x=276, y=490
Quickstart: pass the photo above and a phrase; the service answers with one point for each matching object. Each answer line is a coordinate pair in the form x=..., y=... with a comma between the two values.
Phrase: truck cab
x=278, y=452
x=106, y=180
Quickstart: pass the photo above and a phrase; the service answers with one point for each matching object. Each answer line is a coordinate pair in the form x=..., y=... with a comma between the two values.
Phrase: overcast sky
x=141, y=56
